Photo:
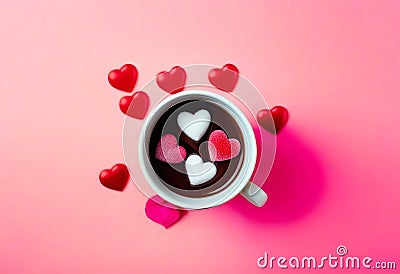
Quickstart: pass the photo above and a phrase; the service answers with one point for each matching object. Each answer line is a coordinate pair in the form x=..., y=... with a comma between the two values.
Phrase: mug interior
x=244, y=171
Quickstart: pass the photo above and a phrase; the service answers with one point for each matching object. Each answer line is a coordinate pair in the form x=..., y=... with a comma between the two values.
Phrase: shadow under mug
x=241, y=183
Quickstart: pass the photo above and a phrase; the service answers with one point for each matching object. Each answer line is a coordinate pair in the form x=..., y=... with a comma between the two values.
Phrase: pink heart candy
x=221, y=148
x=167, y=150
x=162, y=212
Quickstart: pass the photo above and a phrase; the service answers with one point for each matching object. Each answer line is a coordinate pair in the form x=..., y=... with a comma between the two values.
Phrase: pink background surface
x=334, y=64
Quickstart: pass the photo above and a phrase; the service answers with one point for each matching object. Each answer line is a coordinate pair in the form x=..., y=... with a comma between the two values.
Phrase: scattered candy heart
x=172, y=81
x=162, y=212
x=115, y=178
x=135, y=106
x=123, y=79
x=273, y=120
x=221, y=148
x=194, y=125
x=167, y=150
x=224, y=78
x=198, y=171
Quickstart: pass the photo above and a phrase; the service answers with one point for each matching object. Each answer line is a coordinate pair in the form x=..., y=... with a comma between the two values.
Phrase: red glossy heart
x=172, y=81
x=124, y=78
x=221, y=148
x=135, y=106
x=273, y=120
x=225, y=78
x=115, y=178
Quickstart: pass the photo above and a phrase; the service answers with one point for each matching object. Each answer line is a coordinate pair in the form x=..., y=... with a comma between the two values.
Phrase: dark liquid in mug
x=173, y=175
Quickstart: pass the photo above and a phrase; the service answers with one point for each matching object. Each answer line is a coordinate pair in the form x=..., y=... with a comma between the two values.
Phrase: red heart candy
x=172, y=81
x=221, y=148
x=115, y=178
x=273, y=120
x=123, y=79
x=135, y=106
x=224, y=78
x=167, y=150
x=162, y=212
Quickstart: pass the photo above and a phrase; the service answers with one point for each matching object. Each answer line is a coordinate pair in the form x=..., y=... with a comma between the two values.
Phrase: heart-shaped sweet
x=115, y=178
x=224, y=78
x=194, y=125
x=273, y=120
x=172, y=81
x=167, y=150
x=135, y=106
x=162, y=212
x=124, y=78
x=220, y=148
x=198, y=171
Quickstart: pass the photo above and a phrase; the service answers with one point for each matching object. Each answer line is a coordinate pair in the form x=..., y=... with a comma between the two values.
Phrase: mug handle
x=254, y=194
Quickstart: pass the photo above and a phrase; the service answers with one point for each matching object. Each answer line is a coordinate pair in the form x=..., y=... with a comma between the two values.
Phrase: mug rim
x=236, y=186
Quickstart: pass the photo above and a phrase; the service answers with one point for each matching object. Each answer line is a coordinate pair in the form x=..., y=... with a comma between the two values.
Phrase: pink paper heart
x=221, y=148
x=162, y=212
x=167, y=150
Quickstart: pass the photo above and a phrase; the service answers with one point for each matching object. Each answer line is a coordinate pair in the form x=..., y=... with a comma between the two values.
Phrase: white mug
x=241, y=183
